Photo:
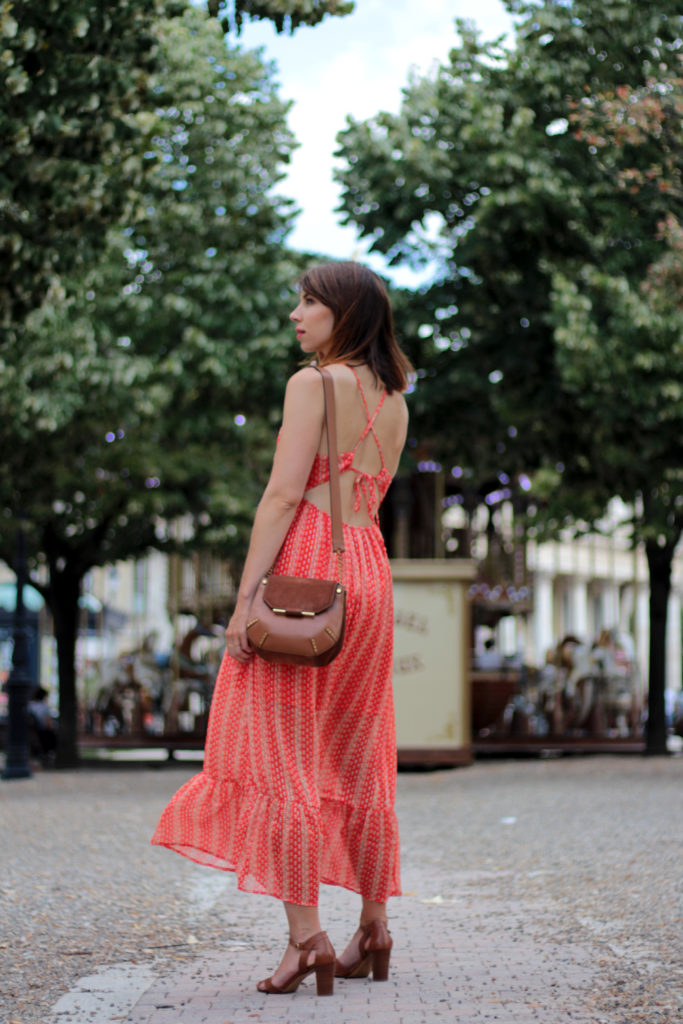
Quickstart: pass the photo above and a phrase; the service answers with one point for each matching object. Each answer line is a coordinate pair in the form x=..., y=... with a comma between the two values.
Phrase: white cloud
x=356, y=65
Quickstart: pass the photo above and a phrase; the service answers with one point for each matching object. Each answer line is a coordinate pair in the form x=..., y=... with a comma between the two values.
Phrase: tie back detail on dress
x=369, y=486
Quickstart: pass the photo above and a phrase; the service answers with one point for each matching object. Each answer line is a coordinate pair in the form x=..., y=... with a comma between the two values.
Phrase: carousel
x=146, y=699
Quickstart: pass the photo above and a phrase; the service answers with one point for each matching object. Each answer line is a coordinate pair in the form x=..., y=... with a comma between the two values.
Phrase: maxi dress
x=299, y=776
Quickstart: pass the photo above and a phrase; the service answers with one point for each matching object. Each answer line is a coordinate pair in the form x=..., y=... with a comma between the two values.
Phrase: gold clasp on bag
x=283, y=611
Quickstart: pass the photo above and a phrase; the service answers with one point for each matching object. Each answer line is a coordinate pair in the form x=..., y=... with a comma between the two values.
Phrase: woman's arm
x=302, y=423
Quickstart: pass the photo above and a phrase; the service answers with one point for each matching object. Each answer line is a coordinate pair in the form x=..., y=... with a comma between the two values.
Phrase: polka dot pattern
x=299, y=775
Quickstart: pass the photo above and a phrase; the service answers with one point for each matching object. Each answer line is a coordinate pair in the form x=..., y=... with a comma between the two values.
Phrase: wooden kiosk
x=431, y=661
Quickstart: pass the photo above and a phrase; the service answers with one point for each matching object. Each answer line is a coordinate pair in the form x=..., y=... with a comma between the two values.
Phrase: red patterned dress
x=299, y=773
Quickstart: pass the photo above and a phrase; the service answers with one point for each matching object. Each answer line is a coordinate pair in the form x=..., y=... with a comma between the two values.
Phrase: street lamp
x=19, y=684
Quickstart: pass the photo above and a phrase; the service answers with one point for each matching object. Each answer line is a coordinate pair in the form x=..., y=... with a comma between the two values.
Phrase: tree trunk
x=659, y=560
x=65, y=590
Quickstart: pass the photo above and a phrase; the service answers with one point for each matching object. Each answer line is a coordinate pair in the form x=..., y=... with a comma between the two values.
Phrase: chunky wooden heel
x=324, y=979
x=380, y=964
x=374, y=951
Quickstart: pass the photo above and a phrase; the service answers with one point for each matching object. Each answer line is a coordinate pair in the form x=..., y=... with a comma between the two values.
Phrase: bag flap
x=295, y=595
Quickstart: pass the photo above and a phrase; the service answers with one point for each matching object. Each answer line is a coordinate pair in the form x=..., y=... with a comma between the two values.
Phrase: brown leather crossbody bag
x=295, y=620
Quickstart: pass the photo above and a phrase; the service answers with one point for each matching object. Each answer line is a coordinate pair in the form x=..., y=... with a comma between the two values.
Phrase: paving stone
x=571, y=915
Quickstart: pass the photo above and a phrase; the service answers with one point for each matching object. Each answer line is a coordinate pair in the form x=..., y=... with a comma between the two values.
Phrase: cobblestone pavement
x=534, y=891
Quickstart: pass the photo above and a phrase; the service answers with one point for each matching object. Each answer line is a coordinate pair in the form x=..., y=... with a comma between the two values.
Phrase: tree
x=619, y=342
x=493, y=172
x=148, y=387
x=73, y=76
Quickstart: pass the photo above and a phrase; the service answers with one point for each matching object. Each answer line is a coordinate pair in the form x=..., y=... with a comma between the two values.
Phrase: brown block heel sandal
x=375, y=953
x=323, y=966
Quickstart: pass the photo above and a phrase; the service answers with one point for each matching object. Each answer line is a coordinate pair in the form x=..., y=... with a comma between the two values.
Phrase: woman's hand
x=238, y=644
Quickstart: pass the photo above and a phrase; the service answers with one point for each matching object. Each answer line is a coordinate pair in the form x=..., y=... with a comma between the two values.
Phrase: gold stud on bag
x=296, y=620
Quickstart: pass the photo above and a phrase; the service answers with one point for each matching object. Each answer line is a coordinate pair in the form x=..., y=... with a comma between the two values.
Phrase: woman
x=300, y=764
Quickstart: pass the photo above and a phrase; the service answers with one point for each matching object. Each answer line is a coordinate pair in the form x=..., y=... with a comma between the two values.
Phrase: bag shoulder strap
x=331, y=427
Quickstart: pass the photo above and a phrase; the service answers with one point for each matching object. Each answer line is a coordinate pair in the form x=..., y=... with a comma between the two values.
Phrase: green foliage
x=510, y=171
x=73, y=76
x=286, y=15
x=73, y=79
x=620, y=357
x=123, y=393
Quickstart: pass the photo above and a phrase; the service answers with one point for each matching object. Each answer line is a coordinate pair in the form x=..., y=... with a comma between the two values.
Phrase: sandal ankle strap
x=307, y=943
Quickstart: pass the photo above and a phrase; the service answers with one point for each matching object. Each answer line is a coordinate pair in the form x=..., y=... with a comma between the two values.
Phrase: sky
x=355, y=65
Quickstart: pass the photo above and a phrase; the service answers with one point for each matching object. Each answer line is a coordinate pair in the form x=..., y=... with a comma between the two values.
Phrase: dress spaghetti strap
x=370, y=426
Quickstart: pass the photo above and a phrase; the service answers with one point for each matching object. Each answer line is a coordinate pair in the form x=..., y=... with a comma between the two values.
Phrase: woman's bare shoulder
x=304, y=380
x=339, y=371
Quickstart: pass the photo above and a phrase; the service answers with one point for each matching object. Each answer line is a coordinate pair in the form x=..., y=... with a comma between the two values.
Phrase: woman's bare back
x=375, y=455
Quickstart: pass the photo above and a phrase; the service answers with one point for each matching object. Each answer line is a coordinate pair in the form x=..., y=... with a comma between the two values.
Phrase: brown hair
x=363, y=325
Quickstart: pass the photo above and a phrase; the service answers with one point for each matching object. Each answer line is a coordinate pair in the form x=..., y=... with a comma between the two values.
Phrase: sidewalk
x=534, y=891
